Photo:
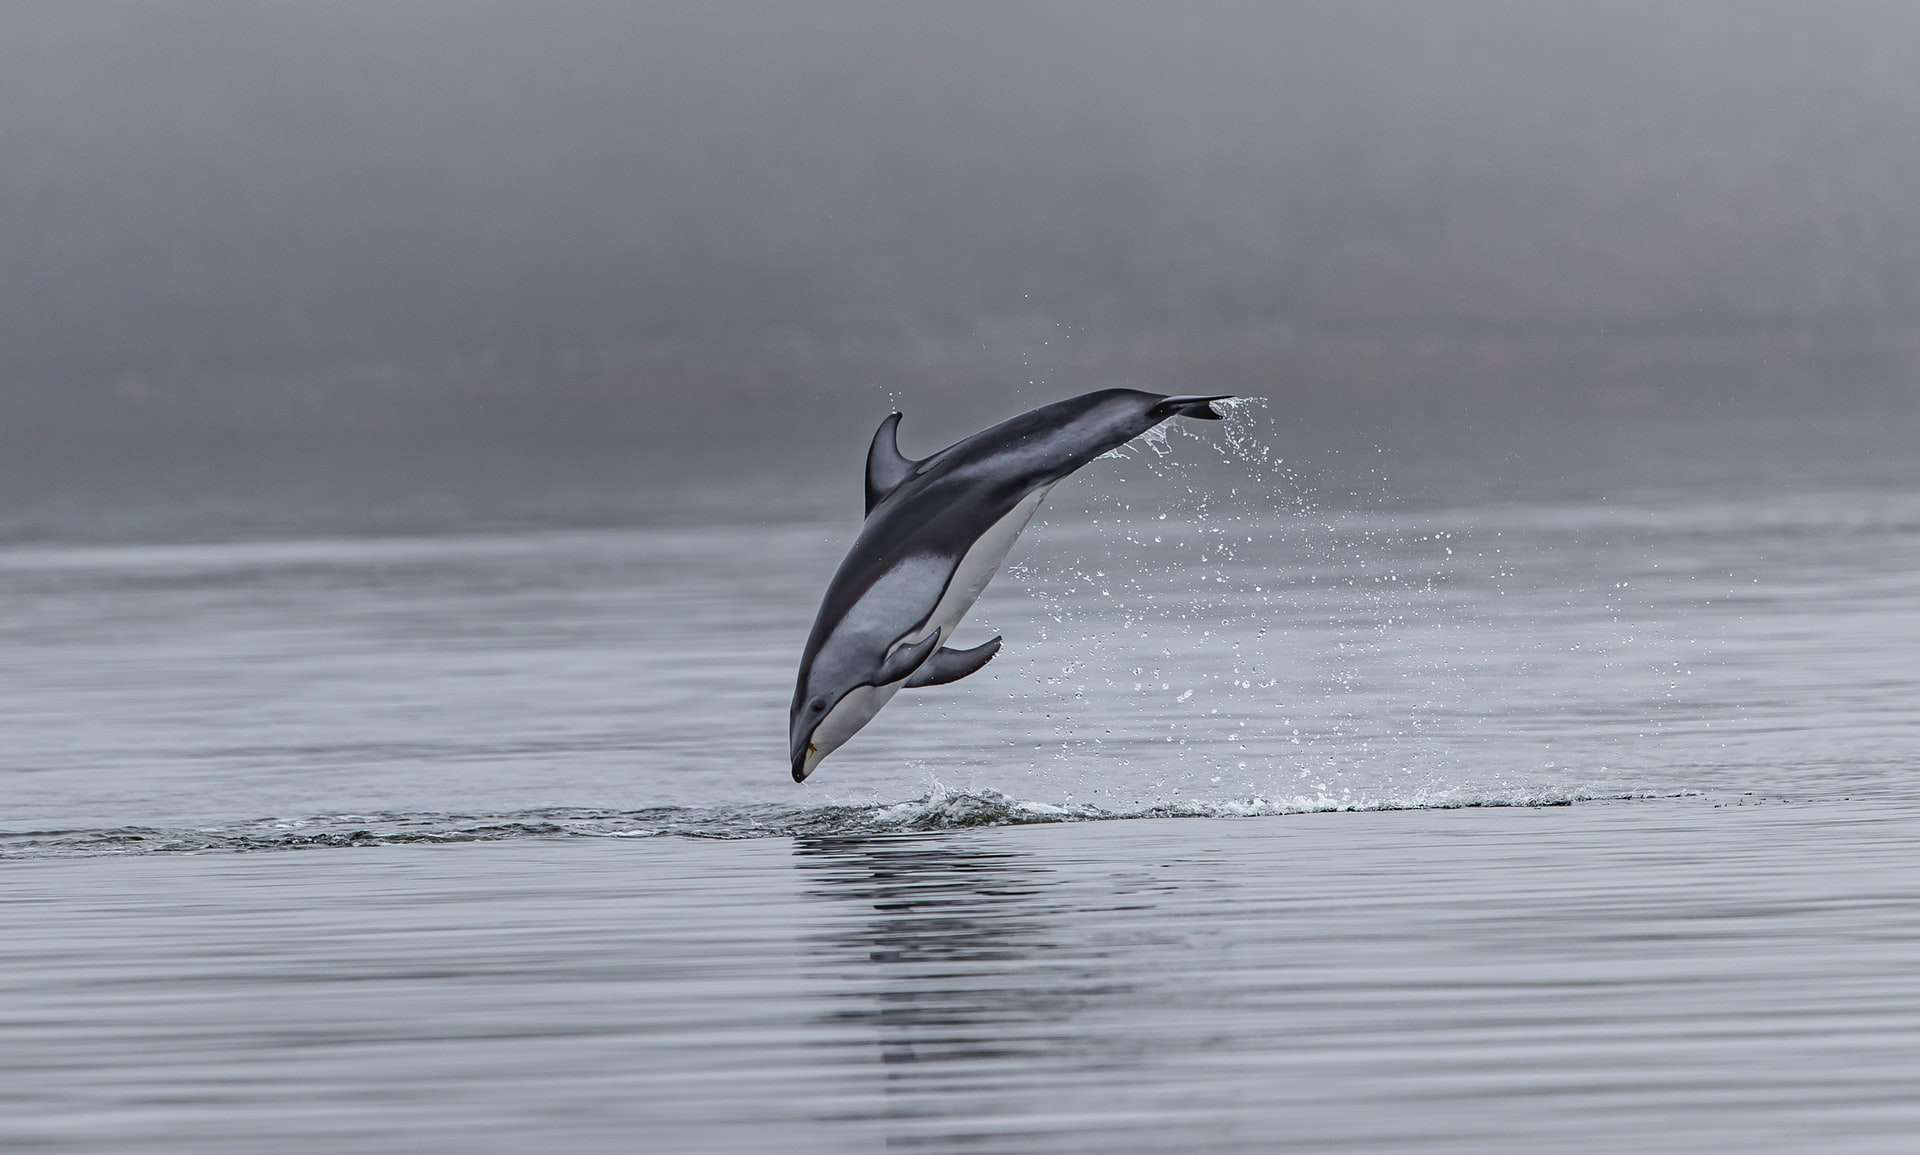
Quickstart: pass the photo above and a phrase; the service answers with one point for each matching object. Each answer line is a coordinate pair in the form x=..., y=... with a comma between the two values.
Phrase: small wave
x=939, y=810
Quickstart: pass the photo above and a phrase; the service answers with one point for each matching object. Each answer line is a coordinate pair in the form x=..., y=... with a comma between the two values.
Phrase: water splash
x=1259, y=626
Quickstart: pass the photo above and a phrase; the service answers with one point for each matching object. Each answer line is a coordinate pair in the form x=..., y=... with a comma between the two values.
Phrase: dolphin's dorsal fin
x=887, y=467
x=950, y=665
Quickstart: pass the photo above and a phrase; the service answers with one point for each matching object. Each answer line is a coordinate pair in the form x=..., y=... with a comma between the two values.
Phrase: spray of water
x=1216, y=628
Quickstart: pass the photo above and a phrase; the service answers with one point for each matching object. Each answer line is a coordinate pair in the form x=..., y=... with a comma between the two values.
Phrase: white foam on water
x=939, y=809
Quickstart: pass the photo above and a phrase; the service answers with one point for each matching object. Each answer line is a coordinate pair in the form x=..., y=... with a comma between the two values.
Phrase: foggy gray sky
x=450, y=212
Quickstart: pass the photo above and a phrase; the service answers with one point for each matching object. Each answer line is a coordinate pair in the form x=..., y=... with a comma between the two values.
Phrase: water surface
x=1327, y=794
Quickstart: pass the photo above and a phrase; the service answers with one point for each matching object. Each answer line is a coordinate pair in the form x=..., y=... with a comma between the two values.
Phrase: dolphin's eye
x=817, y=705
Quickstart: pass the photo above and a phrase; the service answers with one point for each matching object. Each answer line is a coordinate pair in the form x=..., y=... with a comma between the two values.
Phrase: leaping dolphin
x=936, y=532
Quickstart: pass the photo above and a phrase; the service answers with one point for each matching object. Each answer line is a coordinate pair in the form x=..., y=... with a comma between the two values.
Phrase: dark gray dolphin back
x=1045, y=443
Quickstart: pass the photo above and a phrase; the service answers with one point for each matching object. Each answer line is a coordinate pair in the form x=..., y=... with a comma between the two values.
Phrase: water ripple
x=938, y=810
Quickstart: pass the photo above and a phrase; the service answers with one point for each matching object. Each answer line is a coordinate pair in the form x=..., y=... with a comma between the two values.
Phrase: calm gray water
x=1442, y=791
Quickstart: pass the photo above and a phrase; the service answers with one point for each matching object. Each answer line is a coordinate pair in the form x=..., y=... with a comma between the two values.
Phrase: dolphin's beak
x=805, y=761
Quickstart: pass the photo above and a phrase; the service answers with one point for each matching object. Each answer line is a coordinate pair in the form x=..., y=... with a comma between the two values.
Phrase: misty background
x=470, y=215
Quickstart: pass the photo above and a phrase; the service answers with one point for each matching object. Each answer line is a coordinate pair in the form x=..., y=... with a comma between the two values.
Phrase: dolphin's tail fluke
x=1197, y=407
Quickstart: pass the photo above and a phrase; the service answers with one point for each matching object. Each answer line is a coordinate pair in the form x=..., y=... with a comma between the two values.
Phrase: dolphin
x=936, y=532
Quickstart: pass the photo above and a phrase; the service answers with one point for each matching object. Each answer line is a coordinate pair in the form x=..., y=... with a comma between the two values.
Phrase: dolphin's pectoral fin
x=950, y=665
x=905, y=658
x=887, y=467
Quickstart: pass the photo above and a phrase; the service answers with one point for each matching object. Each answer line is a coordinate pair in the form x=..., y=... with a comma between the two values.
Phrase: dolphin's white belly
x=983, y=559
